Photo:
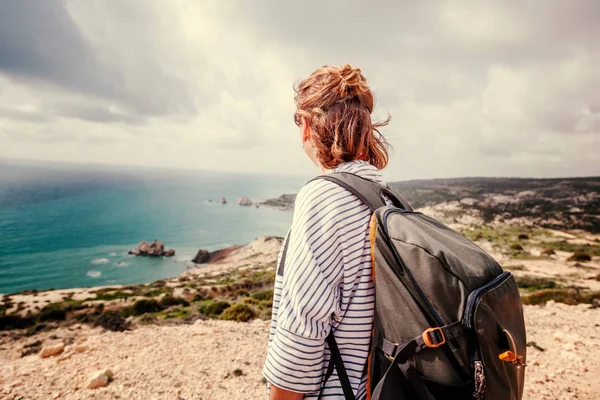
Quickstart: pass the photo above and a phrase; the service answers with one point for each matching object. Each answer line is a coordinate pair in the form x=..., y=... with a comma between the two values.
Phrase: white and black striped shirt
x=327, y=285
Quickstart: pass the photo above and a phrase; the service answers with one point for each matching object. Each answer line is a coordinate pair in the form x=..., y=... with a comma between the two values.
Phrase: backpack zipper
x=475, y=296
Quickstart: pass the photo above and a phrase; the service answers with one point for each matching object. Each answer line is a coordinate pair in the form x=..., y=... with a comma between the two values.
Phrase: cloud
x=42, y=45
x=474, y=88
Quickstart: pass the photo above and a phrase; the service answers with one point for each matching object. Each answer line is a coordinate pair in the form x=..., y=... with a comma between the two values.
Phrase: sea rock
x=154, y=249
x=202, y=257
x=157, y=248
x=244, y=201
x=51, y=351
x=99, y=379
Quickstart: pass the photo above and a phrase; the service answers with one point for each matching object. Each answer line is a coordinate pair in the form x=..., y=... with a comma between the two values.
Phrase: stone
x=80, y=348
x=547, y=252
x=201, y=257
x=99, y=379
x=51, y=351
x=244, y=201
x=154, y=249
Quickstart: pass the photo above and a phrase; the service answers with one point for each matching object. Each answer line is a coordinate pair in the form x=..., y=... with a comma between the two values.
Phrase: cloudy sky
x=474, y=88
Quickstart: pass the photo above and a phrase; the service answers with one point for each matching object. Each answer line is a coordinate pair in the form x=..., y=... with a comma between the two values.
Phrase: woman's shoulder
x=320, y=195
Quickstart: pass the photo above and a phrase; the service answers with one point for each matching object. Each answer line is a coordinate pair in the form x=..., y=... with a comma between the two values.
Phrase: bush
x=144, y=306
x=14, y=321
x=523, y=236
x=264, y=295
x=238, y=312
x=216, y=308
x=566, y=296
x=168, y=301
x=237, y=372
x=534, y=282
x=579, y=256
x=242, y=293
x=52, y=312
x=112, y=320
x=516, y=246
x=251, y=300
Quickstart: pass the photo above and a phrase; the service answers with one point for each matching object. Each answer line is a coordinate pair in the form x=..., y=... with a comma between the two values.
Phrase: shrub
x=238, y=312
x=516, y=246
x=168, y=301
x=534, y=282
x=201, y=295
x=52, y=312
x=144, y=306
x=237, y=372
x=216, y=308
x=263, y=295
x=15, y=321
x=523, y=236
x=242, y=293
x=566, y=296
x=202, y=306
x=579, y=256
x=31, y=348
x=112, y=320
x=251, y=300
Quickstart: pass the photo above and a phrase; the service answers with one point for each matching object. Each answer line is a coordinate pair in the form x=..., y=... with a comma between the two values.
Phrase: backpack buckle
x=427, y=337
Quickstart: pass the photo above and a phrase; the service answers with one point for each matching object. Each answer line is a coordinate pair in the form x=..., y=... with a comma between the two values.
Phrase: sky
x=474, y=88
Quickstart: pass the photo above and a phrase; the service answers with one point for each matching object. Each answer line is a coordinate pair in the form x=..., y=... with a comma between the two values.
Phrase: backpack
x=448, y=321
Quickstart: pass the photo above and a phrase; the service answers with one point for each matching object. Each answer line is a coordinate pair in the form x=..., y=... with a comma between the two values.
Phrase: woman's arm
x=282, y=394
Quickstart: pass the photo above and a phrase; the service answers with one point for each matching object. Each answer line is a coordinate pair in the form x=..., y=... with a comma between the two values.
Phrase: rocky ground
x=223, y=360
x=203, y=335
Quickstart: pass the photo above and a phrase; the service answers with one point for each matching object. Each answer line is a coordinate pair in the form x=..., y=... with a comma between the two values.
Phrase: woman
x=327, y=285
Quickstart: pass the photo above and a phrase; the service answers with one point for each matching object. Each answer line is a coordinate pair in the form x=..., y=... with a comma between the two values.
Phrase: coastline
x=205, y=332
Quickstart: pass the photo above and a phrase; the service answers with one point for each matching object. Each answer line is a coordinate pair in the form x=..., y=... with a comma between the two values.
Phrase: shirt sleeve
x=308, y=298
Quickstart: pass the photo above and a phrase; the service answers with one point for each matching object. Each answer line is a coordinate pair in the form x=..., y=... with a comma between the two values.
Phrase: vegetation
x=52, y=312
x=112, y=320
x=533, y=283
x=263, y=295
x=578, y=256
x=590, y=249
x=216, y=308
x=168, y=301
x=239, y=312
x=566, y=296
x=144, y=306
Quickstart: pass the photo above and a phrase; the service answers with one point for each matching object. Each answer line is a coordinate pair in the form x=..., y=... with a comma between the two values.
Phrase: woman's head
x=333, y=110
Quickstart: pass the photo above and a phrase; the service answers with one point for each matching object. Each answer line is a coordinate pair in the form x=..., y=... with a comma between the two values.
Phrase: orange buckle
x=428, y=341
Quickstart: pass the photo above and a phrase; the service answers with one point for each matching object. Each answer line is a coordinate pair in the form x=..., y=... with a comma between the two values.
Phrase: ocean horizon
x=65, y=226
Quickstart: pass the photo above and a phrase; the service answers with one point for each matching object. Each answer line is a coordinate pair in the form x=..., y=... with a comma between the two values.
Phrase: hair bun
x=353, y=84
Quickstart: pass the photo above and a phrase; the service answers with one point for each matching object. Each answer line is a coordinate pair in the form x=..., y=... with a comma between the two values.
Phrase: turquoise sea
x=71, y=226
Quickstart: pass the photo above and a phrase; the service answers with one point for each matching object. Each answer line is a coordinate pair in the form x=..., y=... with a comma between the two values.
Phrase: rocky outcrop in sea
x=154, y=249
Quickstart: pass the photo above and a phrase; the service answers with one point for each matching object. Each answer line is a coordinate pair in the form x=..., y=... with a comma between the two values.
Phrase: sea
x=64, y=226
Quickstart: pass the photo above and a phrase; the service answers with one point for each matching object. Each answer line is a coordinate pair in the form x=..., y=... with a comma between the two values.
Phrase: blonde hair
x=337, y=103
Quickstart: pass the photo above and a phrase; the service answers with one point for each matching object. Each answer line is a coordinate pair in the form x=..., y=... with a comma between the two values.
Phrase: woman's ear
x=306, y=131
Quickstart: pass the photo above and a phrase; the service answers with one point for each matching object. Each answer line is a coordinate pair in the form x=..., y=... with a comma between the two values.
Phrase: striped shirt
x=327, y=285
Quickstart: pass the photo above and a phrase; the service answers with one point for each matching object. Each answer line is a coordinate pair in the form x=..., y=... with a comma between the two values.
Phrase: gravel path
x=198, y=361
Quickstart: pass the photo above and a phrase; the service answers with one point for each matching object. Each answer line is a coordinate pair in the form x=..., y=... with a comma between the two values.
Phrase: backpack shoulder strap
x=369, y=192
